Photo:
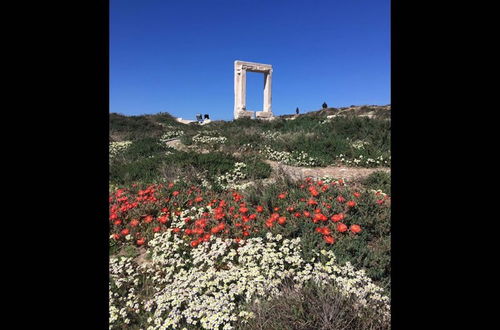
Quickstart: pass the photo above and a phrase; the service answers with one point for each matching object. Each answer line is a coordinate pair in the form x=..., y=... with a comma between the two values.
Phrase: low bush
x=379, y=181
x=311, y=307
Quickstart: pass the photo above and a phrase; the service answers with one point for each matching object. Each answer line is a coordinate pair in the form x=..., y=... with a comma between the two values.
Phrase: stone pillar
x=237, y=89
x=243, y=90
x=267, y=91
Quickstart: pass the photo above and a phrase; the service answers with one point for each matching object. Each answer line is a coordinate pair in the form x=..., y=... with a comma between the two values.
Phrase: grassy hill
x=205, y=234
x=310, y=139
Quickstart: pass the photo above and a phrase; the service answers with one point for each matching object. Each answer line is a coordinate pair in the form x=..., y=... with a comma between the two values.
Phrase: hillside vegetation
x=205, y=234
x=140, y=152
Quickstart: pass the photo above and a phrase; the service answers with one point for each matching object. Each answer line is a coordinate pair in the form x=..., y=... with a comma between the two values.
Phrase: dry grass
x=312, y=307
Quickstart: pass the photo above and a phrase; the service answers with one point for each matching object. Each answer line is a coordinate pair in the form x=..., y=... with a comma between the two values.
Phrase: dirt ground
x=340, y=172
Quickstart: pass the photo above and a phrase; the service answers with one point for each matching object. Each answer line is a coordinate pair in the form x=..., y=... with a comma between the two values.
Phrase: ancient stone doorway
x=240, y=89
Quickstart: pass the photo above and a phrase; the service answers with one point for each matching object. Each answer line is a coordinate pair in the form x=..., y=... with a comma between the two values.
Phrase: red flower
x=340, y=199
x=324, y=230
x=134, y=223
x=356, y=194
x=198, y=199
x=319, y=217
x=380, y=201
x=141, y=241
x=125, y=232
x=351, y=203
x=175, y=193
x=156, y=229
x=243, y=210
x=281, y=220
x=163, y=219
x=313, y=191
x=118, y=222
x=259, y=209
x=148, y=219
x=297, y=214
x=274, y=216
x=176, y=230
x=116, y=236
x=218, y=228
x=338, y=217
x=329, y=239
x=282, y=196
x=194, y=243
x=341, y=227
x=355, y=229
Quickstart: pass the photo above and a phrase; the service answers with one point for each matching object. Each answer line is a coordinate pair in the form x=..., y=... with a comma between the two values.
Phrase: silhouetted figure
x=325, y=105
x=198, y=117
x=297, y=111
x=206, y=116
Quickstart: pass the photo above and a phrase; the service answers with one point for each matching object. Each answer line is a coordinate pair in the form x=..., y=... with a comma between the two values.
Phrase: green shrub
x=378, y=181
x=140, y=170
x=144, y=148
x=256, y=168
x=130, y=128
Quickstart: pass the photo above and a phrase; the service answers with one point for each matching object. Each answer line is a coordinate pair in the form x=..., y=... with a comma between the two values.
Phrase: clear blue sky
x=178, y=56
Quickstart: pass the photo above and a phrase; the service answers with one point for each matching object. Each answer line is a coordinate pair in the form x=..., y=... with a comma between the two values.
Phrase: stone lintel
x=253, y=67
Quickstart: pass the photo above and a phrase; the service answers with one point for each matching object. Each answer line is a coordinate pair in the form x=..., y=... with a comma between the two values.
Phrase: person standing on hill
x=325, y=105
x=297, y=110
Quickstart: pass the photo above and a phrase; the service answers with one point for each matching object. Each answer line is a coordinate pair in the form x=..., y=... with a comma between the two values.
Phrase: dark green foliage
x=129, y=128
x=379, y=181
x=256, y=168
x=144, y=169
x=146, y=161
x=212, y=163
x=144, y=148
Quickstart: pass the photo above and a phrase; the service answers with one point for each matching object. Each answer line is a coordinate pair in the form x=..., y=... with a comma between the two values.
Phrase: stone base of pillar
x=263, y=114
x=244, y=114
